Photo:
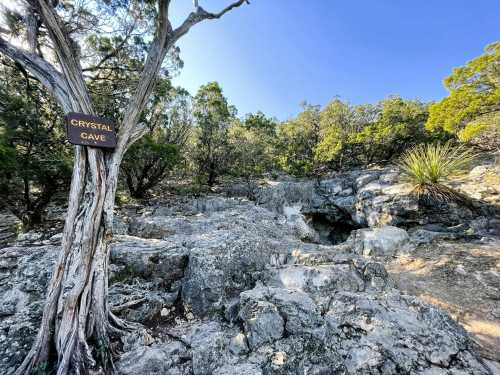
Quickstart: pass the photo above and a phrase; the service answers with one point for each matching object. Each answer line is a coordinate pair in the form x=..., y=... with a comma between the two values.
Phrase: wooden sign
x=87, y=130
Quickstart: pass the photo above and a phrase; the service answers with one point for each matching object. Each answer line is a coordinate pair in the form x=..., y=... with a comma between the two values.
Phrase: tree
x=147, y=163
x=152, y=158
x=213, y=116
x=363, y=134
x=473, y=104
x=252, y=143
x=399, y=125
x=35, y=162
x=298, y=139
x=77, y=324
x=338, y=122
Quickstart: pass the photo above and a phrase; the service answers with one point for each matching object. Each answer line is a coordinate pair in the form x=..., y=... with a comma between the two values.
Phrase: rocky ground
x=347, y=275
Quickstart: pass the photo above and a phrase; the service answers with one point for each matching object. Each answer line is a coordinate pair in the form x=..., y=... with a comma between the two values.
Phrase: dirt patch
x=461, y=278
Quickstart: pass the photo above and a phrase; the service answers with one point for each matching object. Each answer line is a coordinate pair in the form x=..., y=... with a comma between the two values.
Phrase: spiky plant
x=427, y=166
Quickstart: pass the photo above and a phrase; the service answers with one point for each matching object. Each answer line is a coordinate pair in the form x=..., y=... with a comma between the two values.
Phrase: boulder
x=385, y=241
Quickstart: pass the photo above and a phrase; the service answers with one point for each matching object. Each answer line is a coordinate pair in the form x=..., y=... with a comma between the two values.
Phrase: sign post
x=87, y=130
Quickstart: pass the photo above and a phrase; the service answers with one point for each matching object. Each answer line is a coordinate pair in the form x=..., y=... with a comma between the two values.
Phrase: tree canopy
x=473, y=104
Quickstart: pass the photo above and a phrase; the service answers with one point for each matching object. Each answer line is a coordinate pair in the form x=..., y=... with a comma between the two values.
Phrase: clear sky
x=273, y=54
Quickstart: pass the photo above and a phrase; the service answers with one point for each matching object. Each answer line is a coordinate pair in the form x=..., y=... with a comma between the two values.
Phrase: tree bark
x=76, y=310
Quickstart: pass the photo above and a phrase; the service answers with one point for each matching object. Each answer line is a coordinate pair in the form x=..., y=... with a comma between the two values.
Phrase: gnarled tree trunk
x=76, y=310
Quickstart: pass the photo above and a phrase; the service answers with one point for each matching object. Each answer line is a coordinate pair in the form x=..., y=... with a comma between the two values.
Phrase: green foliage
x=342, y=136
x=398, y=125
x=35, y=160
x=213, y=116
x=148, y=162
x=338, y=122
x=432, y=163
x=297, y=140
x=474, y=96
x=252, y=145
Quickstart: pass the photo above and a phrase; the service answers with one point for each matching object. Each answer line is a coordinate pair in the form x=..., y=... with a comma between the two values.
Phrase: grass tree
x=77, y=324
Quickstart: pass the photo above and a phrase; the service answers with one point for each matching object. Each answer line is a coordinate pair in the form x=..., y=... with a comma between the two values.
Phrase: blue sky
x=273, y=54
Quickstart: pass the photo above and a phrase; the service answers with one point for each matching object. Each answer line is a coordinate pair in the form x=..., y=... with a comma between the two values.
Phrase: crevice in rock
x=332, y=230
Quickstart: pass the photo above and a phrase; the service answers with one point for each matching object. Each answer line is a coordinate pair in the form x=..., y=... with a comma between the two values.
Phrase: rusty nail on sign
x=87, y=130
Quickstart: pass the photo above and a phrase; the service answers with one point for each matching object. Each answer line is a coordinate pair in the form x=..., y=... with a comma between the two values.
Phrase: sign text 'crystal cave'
x=87, y=130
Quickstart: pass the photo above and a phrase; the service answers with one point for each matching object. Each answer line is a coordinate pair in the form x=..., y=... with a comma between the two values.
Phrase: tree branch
x=137, y=133
x=31, y=29
x=42, y=70
x=156, y=54
x=201, y=14
x=65, y=49
x=111, y=54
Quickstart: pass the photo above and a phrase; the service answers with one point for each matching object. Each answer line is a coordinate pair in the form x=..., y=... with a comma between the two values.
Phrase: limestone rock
x=230, y=288
x=384, y=241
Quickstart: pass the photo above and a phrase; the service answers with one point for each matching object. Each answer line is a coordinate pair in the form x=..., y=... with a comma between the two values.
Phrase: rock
x=24, y=276
x=29, y=237
x=250, y=239
x=209, y=348
x=157, y=359
x=491, y=281
x=478, y=171
x=234, y=290
x=9, y=225
x=384, y=241
x=238, y=344
x=243, y=369
x=298, y=224
x=120, y=225
x=423, y=236
x=358, y=333
x=366, y=198
x=148, y=258
x=159, y=227
x=263, y=323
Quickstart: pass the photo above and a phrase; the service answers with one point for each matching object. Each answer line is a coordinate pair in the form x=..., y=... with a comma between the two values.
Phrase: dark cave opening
x=331, y=230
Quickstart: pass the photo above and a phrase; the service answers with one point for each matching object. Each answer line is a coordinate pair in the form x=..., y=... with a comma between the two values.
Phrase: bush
x=426, y=166
x=148, y=162
x=35, y=159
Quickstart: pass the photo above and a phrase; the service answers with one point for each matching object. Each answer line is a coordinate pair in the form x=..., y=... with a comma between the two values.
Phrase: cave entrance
x=331, y=230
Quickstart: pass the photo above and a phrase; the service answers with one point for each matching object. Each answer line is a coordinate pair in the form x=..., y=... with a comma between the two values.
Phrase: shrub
x=426, y=166
x=148, y=162
x=35, y=159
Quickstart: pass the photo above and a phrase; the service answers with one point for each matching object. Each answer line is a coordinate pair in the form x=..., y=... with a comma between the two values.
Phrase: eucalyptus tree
x=48, y=42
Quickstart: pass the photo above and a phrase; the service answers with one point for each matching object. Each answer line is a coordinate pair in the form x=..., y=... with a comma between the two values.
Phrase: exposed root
x=439, y=193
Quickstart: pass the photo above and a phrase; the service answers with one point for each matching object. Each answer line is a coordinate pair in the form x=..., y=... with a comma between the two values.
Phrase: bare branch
x=42, y=70
x=201, y=14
